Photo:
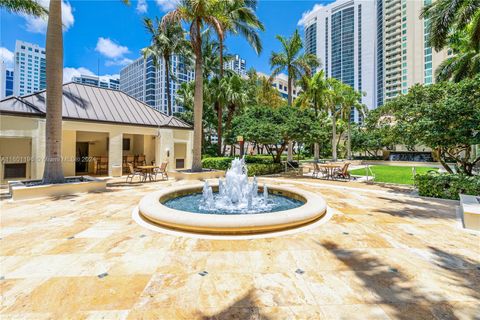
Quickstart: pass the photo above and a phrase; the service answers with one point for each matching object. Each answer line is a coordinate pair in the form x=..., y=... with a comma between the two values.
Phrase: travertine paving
x=384, y=255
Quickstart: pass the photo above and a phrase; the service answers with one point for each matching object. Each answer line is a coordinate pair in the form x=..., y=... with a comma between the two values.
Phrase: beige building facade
x=97, y=123
x=404, y=56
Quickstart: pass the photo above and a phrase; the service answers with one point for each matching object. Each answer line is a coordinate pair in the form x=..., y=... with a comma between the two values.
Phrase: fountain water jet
x=235, y=193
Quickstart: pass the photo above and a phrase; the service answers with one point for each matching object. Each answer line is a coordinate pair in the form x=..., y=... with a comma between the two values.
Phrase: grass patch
x=392, y=174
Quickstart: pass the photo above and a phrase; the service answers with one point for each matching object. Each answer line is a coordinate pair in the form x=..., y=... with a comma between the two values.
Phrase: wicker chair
x=343, y=172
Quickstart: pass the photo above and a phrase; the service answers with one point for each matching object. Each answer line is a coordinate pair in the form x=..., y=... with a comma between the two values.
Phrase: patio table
x=148, y=170
x=330, y=168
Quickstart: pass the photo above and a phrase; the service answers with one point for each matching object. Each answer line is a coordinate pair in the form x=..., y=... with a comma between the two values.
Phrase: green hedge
x=257, y=165
x=447, y=186
x=260, y=169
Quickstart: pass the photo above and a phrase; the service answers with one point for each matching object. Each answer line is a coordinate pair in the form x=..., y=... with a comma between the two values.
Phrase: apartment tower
x=29, y=68
x=146, y=82
x=342, y=35
x=404, y=57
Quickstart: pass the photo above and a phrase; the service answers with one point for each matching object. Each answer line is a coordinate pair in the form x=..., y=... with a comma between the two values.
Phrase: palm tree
x=167, y=40
x=446, y=16
x=334, y=99
x=197, y=13
x=292, y=60
x=237, y=17
x=29, y=7
x=314, y=94
x=295, y=62
x=53, y=172
x=351, y=101
x=464, y=63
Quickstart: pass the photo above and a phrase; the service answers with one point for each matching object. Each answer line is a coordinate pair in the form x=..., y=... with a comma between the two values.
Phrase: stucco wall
x=153, y=142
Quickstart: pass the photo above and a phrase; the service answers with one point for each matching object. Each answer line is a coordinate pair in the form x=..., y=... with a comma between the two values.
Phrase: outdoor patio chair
x=161, y=171
x=101, y=165
x=140, y=161
x=317, y=169
x=343, y=172
x=134, y=173
x=126, y=161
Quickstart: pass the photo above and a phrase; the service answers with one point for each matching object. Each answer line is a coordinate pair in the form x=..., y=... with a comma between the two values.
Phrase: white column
x=38, y=152
x=165, y=148
x=115, y=150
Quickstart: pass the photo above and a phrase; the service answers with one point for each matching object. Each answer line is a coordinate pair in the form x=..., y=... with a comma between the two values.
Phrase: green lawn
x=392, y=174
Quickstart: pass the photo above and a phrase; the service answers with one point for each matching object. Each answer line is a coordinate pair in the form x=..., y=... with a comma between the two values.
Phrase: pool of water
x=193, y=203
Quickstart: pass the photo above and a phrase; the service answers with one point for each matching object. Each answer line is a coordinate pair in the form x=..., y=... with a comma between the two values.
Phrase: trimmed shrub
x=257, y=165
x=218, y=163
x=260, y=169
x=446, y=186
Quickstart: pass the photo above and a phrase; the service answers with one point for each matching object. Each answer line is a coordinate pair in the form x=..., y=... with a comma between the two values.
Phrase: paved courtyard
x=385, y=254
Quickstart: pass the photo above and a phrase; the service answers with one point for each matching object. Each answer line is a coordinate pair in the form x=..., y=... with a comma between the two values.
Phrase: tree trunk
x=334, y=134
x=289, y=88
x=219, y=104
x=290, y=151
x=198, y=113
x=316, y=151
x=349, y=140
x=167, y=78
x=53, y=172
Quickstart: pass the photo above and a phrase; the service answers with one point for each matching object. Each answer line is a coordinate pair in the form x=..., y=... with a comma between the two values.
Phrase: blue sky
x=106, y=35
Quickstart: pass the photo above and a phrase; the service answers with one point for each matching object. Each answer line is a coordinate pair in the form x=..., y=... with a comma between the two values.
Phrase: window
x=126, y=144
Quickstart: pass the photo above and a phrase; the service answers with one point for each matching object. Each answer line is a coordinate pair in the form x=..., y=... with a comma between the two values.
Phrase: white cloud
x=110, y=49
x=39, y=24
x=167, y=5
x=118, y=62
x=6, y=56
x=303, y=19
x=69, y=73
x=142, y=6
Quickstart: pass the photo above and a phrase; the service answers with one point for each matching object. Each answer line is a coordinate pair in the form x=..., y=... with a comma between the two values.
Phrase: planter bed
x=189, y=175
x=30, y=189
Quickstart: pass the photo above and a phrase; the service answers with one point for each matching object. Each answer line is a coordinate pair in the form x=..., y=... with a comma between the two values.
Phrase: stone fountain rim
x=154, y=211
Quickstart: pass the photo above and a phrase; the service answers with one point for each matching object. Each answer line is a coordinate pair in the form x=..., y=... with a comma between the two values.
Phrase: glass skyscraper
x=146, y=82
x=342, y=35
x=29, y=68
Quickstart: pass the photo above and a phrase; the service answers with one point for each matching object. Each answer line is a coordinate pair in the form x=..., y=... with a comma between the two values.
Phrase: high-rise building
x=404, y=56
x=341, y=35
x=29, y=68
x=146, y=82
x=102, y=82
x=237, y=64
x=280, y=82
x=6, y=81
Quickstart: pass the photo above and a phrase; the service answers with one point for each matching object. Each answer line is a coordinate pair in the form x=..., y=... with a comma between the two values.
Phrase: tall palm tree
x=197, y=13
x=463, y=63
x=450, y=15
x=237, y=17
x=168, y=39
x=295, y=63
x=334, y=99
x=314, y=94
x=292, y=60
x=53, y=172
x=30, y=7
x=351, y=101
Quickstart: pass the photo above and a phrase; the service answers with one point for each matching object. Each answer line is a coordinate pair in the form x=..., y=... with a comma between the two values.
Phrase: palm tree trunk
x=167, y=78
x=53, y=172
x=289, y=88
x=198, y=111
x=349, y=140
x=219, y=104
x=334, y=134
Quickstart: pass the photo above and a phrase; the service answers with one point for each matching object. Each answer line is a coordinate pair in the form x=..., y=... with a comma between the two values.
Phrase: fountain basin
x=152, y=209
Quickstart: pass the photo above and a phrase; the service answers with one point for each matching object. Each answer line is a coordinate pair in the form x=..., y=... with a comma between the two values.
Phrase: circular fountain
x=236, y=205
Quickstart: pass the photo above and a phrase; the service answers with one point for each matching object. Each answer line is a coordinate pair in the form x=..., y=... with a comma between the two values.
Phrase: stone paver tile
x=355, y=312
